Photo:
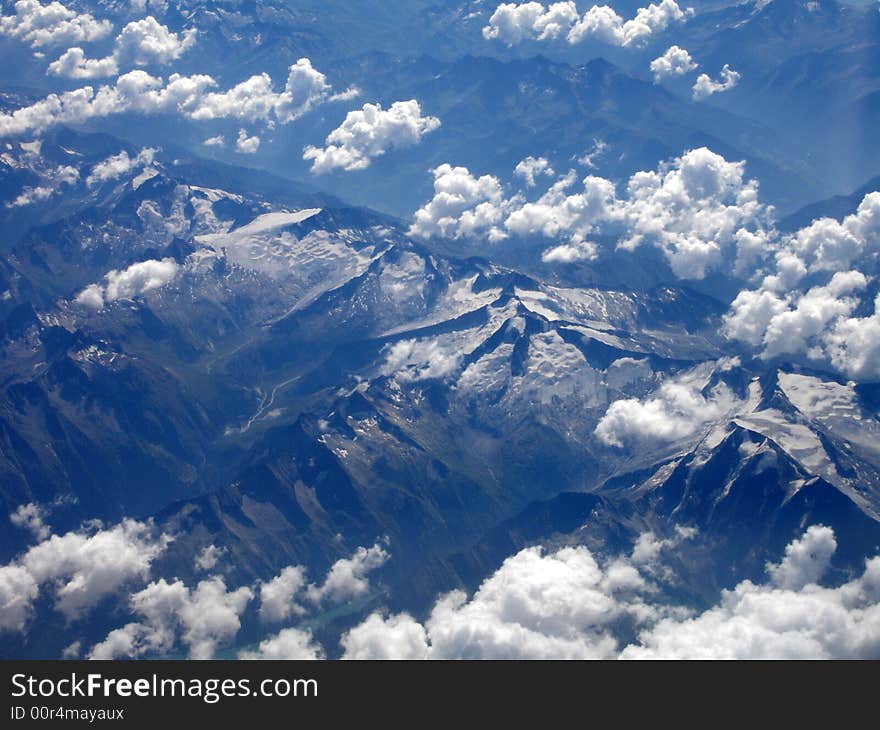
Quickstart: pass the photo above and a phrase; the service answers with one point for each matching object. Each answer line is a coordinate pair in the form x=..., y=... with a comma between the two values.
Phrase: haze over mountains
x=439, y=329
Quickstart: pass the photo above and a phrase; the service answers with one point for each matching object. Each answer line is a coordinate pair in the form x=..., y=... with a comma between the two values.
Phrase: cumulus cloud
x=806, y=560
x=247, y=145
x=699, y=209
x=189, y=96
x=681, y=407
x=18, y=591
x=853, y=345
x=558, y=212
x=830, y=245
x=571, y=604
x=135, y=91
x=790, y=617
x=31, y=517
x=646, y=552
x=50, y=183
x=513, y=23
x=674, y=62
x=276, y=596
x=531, y=167
x=208, y=557
x=51, y=24
x=597, y=149
x=793, y=329
x=414, y=360
x=83, y=567
x=146, y=42
x=705, y=86
x=368, y=133
x=118, y=165
x=463, y=205
x=816, y=324
x=255, y=99
x=538, y=604
x=393, y=637
x=136, y=280
x=143, y=42
x=204, y=618
x=215, y=141
x=696, y=209
x=288, y=643
x=208, y=616
x=567, y=253
x=347, y=578
x=811, y=288
x=73, y=64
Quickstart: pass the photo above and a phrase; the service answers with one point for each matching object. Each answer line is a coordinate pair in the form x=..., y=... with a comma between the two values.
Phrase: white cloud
x=784, y=317
x=830, y=245
x=568, y=604
x=190, y=96
x=30, y=195
x=562, y=605
x=674, y=62
x=513, y=23
x=118, y=165
x=413, y=360
x=50, y=183
x=698, y=209
x=463, y=205
x=209, y=556
x=143, y=42
x=531, y=167
x=86, y=567
x=83, y=567
x=135, y=91
x=136, y=280
x=597, y=149
x=31, y=516
x=347, y=578
x=806, y=560
x=254, y=98
x=73, y=64
x=51, y=24
x=205, y=617
x=18, y=591
x=146, y=42
x=704, y=86
x=853, y=345
x=209, y=616
x=535, y=606
x=789, y=618
x=245, y=144
x=793, y=329
x=646, y=552
x=216, y=141
x=678, y=409
x=368, y=133
x=557, y=212
x=816, y=323
x=395, y=637
x=276, y=596
x=694, y=209
x=567, y=253
x=289, y=644
x=129, y=641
